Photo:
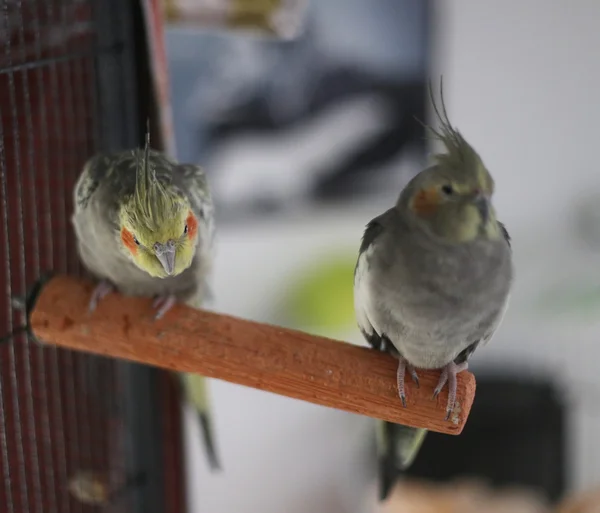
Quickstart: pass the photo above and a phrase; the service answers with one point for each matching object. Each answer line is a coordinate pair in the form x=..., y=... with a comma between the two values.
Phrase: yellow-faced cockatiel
x=144, y=226
x=432, y=280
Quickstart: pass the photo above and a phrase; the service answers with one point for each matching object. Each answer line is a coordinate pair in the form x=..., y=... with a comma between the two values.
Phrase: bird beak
x=166, y=256
x=482, y=202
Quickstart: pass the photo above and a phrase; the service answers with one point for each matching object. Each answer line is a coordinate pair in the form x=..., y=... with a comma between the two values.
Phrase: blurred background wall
x=305, y=141
x=520, y=85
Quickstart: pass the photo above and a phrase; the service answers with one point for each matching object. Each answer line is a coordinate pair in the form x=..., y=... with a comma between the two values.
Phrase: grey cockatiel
x=432, y=280
x=144, y=225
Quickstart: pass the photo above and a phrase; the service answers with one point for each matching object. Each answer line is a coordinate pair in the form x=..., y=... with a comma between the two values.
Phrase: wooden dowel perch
x=279, y=360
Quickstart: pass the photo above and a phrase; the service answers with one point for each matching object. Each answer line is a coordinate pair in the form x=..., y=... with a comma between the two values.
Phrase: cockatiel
x=432, y=280
x=144, y=225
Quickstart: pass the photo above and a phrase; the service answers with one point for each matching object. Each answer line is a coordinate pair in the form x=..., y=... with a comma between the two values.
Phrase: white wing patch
x=362, y=293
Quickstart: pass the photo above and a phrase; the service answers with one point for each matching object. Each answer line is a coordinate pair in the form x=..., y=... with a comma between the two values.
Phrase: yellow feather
x=156, y=214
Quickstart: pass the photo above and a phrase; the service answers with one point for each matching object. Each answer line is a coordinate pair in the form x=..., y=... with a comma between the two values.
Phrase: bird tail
x=196, y=391
x=397, y=448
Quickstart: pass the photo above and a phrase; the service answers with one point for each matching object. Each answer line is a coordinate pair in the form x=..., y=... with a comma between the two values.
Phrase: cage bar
x=73, y=78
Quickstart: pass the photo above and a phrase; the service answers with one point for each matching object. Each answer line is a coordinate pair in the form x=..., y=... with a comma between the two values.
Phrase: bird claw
x=403, y=366
x=99, y=293
x=449, y=373
x=414, y=376
x=441, y=382
x=163, y=303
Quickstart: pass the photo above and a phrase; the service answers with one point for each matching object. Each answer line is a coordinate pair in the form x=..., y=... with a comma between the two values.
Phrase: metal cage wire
x=67, y=90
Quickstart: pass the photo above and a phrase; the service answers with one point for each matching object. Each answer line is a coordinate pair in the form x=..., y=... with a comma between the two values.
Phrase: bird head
x=158, y=229
x=452, y=198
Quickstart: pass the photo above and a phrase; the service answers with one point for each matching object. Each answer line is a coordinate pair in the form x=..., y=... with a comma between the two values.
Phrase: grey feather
x=398, y=446
x=434, y=302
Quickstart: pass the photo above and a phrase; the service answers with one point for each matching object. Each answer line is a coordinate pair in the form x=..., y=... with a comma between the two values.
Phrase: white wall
x=521, y=79
x=521, y=82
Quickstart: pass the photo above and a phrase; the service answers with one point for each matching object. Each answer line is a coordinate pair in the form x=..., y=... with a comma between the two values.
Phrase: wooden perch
x=278, y=360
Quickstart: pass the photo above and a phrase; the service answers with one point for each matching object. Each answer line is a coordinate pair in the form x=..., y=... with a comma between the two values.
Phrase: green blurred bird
x=144, y=225
x=432, y=281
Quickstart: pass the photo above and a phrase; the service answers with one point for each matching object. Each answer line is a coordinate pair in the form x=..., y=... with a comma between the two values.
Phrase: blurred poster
x=278, y=18
x=326, y=116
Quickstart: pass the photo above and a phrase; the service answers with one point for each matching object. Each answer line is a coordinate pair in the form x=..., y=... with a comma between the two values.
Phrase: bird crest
x=460, y=157
x=151, y=200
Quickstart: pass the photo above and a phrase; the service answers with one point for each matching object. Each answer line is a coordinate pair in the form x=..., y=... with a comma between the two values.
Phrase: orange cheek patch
x=192, y=224
x=425, y=202
x=128, y=241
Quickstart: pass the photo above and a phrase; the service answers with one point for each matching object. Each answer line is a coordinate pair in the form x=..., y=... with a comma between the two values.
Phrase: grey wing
x=88, y=182
x=195, y=185
x=96, y=171
x=192, y=180
x=492, y=322
x=363, y=300
x=505, y=234
x=497, y=320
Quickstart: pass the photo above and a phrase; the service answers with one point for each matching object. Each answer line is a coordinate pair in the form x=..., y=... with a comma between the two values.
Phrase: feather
x=460, y=156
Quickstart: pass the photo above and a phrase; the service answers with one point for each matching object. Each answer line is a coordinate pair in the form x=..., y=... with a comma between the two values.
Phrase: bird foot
x=449, y=374
x=99, y=293
x=403, y=366
x=163, y=303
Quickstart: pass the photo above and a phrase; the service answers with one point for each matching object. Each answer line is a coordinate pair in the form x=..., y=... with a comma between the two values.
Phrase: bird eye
x=185, y=230
x=447, y=190
x=135, y=240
